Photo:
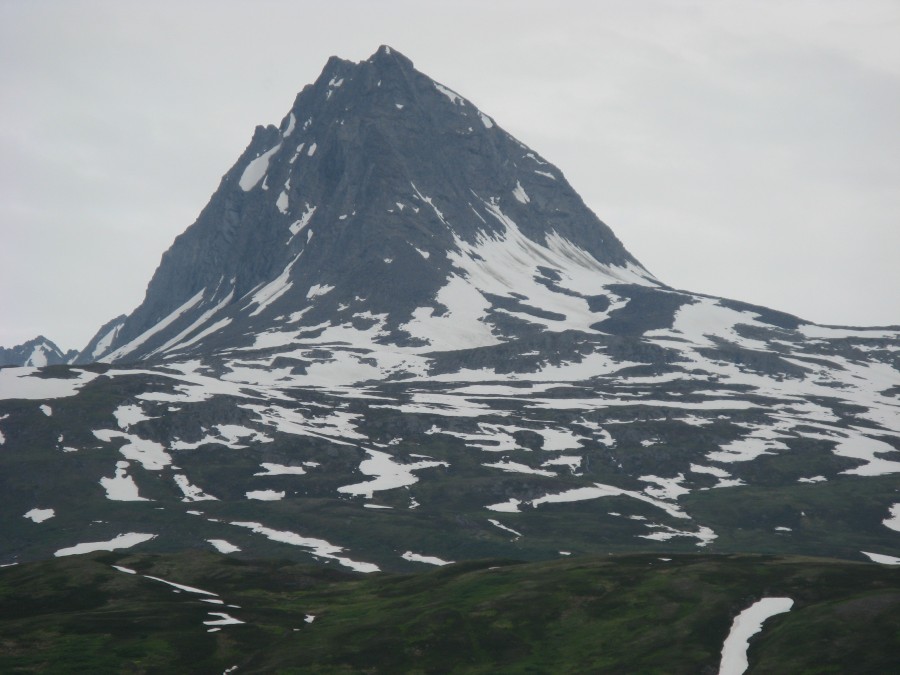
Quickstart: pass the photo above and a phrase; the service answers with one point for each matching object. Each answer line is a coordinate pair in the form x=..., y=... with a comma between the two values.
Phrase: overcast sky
x=745, y=149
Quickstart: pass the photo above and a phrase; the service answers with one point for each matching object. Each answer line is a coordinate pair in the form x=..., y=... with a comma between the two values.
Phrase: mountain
x=396, y=337
x=36, y=353
x=382, y=195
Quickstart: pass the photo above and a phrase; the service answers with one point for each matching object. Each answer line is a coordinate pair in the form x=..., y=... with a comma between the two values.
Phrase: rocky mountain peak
x=385, y=188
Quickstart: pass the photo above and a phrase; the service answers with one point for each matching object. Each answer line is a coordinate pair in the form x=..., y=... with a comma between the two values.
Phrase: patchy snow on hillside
x=127, y=540
x=39, y=515
x=747, y=624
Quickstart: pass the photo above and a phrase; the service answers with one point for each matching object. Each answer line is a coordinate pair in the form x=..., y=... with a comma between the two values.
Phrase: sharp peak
x=384, y=57
x=388, y=54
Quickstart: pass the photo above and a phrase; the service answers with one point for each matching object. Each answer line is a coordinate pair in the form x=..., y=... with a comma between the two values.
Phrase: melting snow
x=317, y=290
x=181, y=587
x=668, y=488
x=455, y=98
x=280, y=470
x=104, y=342
x=150, y=454
x=600, y=490
x=516, y=467
x=146, y=335
x=320, y=547
x=203, y=318
x=47, y=410
x=462, y=326
x=122, y=541
x=664, y=533
x=389, y=474
x=223, y=620
x=21, y=383
x=274, y=289
x=431, y=560
x=256, y=169
x=292, y=121
x=881, y=558
x=747, y=624
x=223, y=546
x=126, y=415
x=121, y=487
x=497, y=523
x=191, y=492
x=265, y=495
x=509, y=506
x=40, y=515
x=283, y=201
x=38, y=357
x=519, y=193
x=298, y=225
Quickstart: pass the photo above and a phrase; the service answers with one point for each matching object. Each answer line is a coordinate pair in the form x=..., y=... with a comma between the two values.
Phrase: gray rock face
x=369, y=185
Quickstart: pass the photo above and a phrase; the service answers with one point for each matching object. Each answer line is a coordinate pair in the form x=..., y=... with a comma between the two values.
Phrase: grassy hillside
x=614, y=614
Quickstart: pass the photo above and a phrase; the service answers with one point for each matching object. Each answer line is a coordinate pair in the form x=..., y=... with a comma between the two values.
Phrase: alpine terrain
x=396, y=337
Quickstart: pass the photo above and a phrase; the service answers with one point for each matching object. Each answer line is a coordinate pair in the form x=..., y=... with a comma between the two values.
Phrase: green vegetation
x=610, y=614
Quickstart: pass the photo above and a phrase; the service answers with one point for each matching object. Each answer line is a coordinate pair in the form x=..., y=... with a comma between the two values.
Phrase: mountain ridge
x=36, y=352
x=396, y=336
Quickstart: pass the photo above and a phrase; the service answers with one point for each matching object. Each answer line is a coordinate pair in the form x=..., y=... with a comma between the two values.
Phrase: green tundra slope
x=112, y=613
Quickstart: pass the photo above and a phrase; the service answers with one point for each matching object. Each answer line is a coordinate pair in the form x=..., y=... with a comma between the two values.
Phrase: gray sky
x=739, y=148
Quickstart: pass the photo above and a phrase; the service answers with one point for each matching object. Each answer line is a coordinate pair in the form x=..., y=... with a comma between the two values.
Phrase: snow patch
x=747, y=624
x=429, y=559
x=191, y=492
x=319, y=547
x=22, y=383
x=520, y=194
x=127, y=540
x=121, y=487
x=455, y=98
x=497, y=523
x=893, y=520
x=265, y=495
x=223, y=546
x=39, y=515
x=881, y=558
x=256, y=169
x=280, y=470
x=389, y=474
x=150, y=454
x=317, y=290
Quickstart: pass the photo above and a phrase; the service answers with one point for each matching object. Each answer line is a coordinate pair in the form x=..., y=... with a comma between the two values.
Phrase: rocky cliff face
x=379, y=190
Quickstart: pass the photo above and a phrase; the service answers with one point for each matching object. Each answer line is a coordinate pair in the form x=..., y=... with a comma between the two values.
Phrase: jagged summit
x=381, y=193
